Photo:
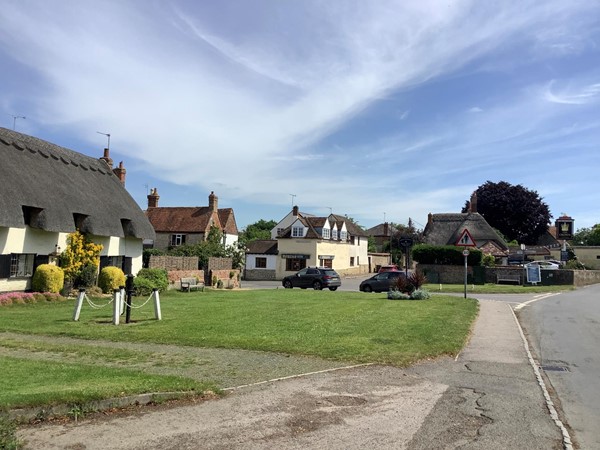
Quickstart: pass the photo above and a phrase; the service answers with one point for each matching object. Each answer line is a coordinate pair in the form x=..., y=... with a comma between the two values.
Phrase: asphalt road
x=564, y=333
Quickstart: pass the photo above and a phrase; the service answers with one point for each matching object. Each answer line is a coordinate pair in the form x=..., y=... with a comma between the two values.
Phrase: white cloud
x=572, y=95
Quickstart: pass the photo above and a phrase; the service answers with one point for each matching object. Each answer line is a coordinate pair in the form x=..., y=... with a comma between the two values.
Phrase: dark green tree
x=257, y=230
x=587, y=236
x=518, y=213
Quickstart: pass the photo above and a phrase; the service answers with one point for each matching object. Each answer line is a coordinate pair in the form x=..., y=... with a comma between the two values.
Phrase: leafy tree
x=517, y=212
x=587, y=236
x=257, y=230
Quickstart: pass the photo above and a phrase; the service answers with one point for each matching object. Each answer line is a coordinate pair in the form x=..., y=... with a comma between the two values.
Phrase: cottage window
x=177, y=239
x=21, y=265
x=334, y=234
x=260, y=262
x=326, y=233
x=280, y=231
x=298, y=232
x=344, y=235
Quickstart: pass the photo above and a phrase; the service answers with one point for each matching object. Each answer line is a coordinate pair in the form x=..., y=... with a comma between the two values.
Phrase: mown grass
x=491, y=288
x=347, y=326
x=39, y=383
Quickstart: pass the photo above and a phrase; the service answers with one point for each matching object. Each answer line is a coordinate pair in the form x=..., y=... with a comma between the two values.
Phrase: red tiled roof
x=194, y=219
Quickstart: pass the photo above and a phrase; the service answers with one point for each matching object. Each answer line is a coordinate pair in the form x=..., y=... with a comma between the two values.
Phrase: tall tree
x=587, y=236
x=518, y=213
x=257, y=230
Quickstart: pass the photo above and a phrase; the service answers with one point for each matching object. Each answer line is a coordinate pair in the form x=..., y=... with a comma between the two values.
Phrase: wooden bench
x=190, y=284
x=508, y=278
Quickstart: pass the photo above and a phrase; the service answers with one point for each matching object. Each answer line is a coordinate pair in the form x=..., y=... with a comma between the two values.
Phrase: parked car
x=544, y=265
x=381, y=282
x=388, y=268
x=314, y=277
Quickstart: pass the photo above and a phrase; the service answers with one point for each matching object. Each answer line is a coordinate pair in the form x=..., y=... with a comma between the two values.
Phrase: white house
x=261, y=260
x=47, y=192
x=333, y=241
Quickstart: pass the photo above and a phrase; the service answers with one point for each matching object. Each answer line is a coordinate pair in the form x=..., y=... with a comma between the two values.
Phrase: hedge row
x=445, y=254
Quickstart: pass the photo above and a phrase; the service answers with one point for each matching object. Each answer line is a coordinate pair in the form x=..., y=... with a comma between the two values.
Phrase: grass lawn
x=345, y=326
x=491, y=288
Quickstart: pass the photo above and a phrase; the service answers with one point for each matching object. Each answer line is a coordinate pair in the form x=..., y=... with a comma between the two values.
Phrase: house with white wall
x=334, y=241
x=261, y=260
x=48, y=192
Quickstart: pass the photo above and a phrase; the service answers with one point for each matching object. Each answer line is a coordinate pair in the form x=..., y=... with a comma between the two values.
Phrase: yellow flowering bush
x=80, y=252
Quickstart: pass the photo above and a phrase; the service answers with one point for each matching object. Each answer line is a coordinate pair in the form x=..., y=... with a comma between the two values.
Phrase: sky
x=378, y=110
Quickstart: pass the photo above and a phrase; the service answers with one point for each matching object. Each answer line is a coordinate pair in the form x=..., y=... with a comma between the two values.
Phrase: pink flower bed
x=15, y=298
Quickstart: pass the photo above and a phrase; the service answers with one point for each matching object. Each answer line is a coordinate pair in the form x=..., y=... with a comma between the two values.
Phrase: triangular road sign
x=466, y=240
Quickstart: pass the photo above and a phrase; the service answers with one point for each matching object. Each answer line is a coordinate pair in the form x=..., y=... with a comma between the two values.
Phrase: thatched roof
x=51, y=188
x=446, y=229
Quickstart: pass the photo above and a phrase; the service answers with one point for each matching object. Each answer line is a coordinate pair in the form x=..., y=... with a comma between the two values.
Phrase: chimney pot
x=153, y=198
x=295, y=211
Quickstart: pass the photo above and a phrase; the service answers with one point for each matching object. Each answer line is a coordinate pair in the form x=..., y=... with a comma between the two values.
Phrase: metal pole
x=129, y=287
x=466, y=253
x=78, y=304
x=157, y=312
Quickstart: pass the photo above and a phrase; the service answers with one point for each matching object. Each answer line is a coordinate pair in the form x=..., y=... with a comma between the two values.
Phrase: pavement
x=488, y=397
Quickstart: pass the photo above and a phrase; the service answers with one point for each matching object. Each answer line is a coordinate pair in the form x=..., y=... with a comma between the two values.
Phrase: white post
x=78, y=304
x=116, y=306
x=122, y=292
x=157, y=313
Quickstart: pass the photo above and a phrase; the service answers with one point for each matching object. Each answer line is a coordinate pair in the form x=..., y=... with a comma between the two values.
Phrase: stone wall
x=259, y=274
x=175, y=277
x=170, y=263
x=585, y=277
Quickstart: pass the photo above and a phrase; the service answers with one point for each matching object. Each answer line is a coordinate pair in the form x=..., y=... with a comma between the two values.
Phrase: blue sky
x=381, y=109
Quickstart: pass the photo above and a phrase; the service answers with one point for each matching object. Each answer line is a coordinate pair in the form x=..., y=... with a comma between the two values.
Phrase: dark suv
x=381, y=282
x=314, y=277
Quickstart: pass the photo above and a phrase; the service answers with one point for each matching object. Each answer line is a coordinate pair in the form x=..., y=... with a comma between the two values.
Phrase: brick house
x=180, y=225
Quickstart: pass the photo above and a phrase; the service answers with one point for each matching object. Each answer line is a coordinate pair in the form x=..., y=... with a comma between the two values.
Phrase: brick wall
x=229, y=277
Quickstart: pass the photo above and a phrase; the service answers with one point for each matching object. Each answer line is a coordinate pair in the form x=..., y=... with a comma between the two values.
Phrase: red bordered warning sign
x=466, y=240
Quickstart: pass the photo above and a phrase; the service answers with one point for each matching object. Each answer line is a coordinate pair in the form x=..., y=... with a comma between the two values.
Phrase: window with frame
x=177, y=239
x=298, y=232
x=344, y=235
x=260, y=262
x=334, y=234
x=352, y=261
x=21, y=265
x=280, y=231
x=326, y=233
x=294, y=265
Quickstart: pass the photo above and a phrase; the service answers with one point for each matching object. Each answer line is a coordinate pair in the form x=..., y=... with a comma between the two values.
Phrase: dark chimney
x=120, y=173
x=213, y=202
x=106, y=158
x=429, y=219
x=295, y=211
x=153, y=198
x=473, y=203
x=385, y=229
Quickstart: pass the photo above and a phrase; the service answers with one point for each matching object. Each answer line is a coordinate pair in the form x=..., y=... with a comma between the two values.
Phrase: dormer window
x=326, y=233
x=344, y=235
x=334, y=234
x=79, y=220
x=298, y=232
x=31, y=216
x=127, y=227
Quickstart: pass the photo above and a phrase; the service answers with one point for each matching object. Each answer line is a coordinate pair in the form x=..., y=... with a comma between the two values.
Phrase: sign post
x=406, y=243
x=466, y=240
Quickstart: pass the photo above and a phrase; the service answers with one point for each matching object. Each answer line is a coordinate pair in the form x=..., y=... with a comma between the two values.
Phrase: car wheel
x=317, y=286
x=367, y=288
x=333, y=288
x=287, y=284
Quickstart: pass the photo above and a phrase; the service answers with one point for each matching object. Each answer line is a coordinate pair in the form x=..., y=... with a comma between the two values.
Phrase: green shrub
x=149, y=279
x=48, y=278
x=445, y=254
x=420, y=294
x=143, y=286
x=397, y=295
x=111, y=278
x=86, y=277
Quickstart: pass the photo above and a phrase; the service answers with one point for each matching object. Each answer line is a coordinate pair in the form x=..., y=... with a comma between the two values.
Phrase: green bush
x=445, y=254
x=110, y=278
x=397, y=295
x=148, y=279
x=420, y=294
x=48, y=278
x=86, y=277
